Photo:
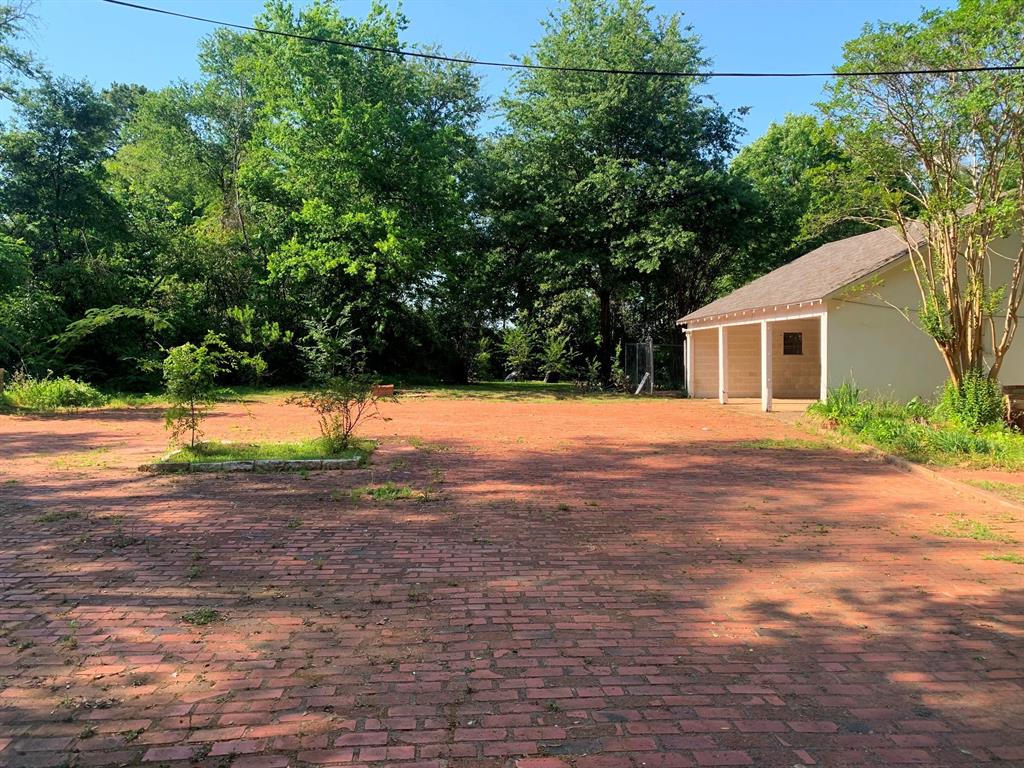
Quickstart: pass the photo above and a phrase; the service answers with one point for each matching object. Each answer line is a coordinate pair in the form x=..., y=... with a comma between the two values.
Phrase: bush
x=517, y=344
x=556, y=357
x=341, y=405
x=978, y=401
x=480, y=368
x=51, y=394
x=955, y=430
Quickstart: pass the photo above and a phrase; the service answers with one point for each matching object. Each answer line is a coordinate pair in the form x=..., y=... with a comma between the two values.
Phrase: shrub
x=556, y=357
x=190, y=375
x=517, y=344
x=341, y=405
x=976, y=402
x=51, y=394
x=480, y=368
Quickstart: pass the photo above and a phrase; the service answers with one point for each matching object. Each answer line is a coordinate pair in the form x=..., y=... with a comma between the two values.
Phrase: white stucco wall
x=871, y=343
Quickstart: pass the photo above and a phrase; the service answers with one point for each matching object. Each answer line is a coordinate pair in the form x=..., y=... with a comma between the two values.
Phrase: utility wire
x=552, y=68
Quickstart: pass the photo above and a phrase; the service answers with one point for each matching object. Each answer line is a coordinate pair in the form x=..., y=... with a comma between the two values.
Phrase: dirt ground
x=589, y=583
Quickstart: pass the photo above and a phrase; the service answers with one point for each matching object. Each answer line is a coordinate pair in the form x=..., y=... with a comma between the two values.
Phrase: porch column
x=688, y=342
x=766, y=365
x=723, y=366
x=823, y=357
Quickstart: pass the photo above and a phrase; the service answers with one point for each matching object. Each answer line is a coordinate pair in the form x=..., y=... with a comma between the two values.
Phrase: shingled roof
x=813, y=276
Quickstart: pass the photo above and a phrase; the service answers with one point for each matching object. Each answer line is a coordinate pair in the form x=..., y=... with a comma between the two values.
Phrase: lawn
x=516, y=390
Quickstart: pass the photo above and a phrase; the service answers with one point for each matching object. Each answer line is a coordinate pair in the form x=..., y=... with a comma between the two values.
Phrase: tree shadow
x=673, y=599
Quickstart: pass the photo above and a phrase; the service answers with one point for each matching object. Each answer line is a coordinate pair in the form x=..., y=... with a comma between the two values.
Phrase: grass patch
x=420, y=445
x=961, y=527
x=58, y=515
x=1011, y=491
x=202, y=616
x=787, y=444
x=303, y=449
x=386, y=492
x=1009, y=557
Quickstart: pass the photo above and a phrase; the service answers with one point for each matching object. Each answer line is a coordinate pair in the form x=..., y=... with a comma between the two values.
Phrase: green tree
x=799, y=173
x=517, y=344
x=357, y=160
x=939, y=155
x=190, y=377
x=612, y=180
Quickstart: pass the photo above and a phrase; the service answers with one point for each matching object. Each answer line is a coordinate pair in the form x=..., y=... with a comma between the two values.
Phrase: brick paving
x=591, y=584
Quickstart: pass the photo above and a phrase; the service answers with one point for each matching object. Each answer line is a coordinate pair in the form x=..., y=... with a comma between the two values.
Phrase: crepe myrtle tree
x=938, y=157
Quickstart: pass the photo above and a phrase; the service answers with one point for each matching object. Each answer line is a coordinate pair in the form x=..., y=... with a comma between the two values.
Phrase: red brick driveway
x=589, y=584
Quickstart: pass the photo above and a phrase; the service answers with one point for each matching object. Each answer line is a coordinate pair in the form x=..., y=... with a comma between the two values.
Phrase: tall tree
x=607, y=178
x=359, y=162
x=799, y=173
x=939, y=154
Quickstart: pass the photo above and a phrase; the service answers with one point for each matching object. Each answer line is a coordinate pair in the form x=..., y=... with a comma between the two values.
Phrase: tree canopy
x=295, y=187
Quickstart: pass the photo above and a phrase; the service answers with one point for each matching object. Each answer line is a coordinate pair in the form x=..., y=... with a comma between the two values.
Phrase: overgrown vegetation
x=387, y=492
x=962, y=429
x=49, y=394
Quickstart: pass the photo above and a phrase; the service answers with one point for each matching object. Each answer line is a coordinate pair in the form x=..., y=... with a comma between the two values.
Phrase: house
x=846, y=311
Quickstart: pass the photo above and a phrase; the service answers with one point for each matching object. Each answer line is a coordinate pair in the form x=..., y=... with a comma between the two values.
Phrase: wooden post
x=688, y=341
x=766, y=366
x=723, y=366
x=823, y=357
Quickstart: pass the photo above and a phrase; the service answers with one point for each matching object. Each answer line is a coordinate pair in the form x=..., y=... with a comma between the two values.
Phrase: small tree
x=344, y=395
x=480, y=369
x=341, y=405
x=556, y=356
x=517, y=344
x=190, y=375
x=939, y=152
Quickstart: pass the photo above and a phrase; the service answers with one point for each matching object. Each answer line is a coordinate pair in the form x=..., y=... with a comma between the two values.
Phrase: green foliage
x=190, y=375
x=937, y=153
x=517, y=344
x=805, y=188
x=330, y=350
x=555, y=356
x=977, y=401
x=641, y=205
x=482, y=367
x=50, y=394
x=922, y=432
x=342, y=404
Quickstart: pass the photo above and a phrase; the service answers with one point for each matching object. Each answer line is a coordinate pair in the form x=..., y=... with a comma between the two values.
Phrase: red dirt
x=588, y=583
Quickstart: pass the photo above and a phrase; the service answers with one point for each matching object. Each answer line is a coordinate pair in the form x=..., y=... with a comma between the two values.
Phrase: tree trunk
x=606, y=351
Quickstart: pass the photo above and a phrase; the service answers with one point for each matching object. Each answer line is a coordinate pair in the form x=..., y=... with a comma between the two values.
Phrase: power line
x=552, y=68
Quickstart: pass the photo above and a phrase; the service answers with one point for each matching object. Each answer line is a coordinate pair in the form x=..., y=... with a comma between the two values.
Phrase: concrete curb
x=970, y=490
x=257, y=465
x=922, y=470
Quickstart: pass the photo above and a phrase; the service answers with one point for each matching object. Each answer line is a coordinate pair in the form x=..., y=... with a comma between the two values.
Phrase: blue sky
x=103, y=43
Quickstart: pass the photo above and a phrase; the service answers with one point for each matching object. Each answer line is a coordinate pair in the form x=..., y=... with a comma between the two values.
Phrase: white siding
x=871, y=343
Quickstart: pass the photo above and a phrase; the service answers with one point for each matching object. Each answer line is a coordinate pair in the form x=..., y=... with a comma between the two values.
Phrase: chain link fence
x=651, y=367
